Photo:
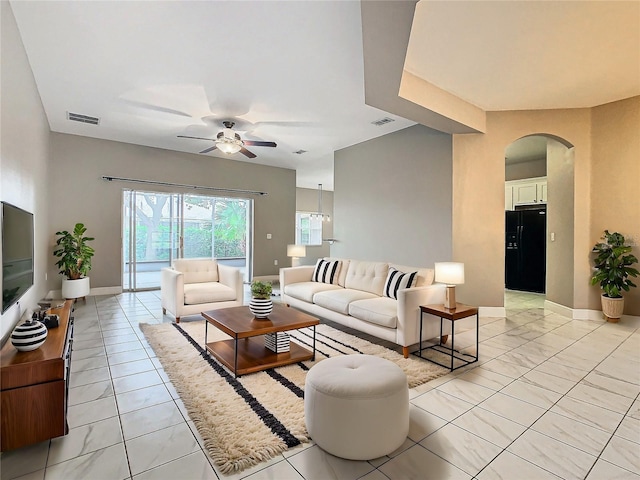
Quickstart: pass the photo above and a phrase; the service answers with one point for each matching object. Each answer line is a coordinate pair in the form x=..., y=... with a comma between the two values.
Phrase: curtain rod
x=194, y=187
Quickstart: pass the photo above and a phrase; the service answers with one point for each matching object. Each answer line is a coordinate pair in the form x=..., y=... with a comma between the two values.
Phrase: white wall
x=393, y=198
x=24, y=154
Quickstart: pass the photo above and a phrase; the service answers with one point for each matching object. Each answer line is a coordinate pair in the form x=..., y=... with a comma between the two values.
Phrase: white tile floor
x=549, y=398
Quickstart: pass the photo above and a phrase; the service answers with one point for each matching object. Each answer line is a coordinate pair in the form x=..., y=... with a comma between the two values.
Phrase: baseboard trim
x=583, y=313
x=559, y=309
x=92, y=293
x=492, y=312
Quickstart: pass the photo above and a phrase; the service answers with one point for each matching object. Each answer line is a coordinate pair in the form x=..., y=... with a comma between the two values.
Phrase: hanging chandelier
x=320, y=213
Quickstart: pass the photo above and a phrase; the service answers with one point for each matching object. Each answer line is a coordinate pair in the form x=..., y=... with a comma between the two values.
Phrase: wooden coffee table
x=245, y=352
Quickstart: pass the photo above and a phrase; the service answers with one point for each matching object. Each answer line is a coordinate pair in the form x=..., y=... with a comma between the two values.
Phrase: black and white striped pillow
x=326, y=271
x=397, y=280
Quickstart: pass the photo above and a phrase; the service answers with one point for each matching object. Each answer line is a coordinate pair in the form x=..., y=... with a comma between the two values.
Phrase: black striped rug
x=244, y=421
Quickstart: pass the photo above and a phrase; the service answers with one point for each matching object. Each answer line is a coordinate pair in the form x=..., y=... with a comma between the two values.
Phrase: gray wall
x=24, y=153
x=393, y=198
x=80, y=195
x=530, y=169
x=307, y=201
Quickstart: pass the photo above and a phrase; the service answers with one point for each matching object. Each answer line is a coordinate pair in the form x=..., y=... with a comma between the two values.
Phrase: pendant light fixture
x=320, y=213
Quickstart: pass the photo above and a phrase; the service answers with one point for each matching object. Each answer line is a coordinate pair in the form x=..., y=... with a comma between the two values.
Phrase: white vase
x=72, y=289
x=261, y=307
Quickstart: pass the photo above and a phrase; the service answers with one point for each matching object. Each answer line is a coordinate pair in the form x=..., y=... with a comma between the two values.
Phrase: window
x=308, y=228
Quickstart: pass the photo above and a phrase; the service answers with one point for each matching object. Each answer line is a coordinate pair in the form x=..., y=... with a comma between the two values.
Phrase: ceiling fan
x=228, y=141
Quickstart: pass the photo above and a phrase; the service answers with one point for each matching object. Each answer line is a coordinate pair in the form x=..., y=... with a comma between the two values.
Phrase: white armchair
x=191, y=286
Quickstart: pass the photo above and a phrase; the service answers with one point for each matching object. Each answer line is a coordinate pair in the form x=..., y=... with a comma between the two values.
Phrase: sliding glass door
x=160, y=227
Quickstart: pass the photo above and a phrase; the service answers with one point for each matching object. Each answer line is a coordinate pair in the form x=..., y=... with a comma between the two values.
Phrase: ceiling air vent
x=76, y=117
x=383, y=121
x=300, y=152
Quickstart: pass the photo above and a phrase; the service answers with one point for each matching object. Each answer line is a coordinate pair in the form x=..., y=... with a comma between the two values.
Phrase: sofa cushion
x=397, y=280
x=197, y=270
x=425, y=275
x=382, y=311
x=207, y=292
x=326, y=271
x=306, y=290
x=339, y=300
x=344, y=266
x=366, y=276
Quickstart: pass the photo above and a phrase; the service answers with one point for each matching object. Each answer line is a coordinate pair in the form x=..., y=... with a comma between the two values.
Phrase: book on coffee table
x=277, y=342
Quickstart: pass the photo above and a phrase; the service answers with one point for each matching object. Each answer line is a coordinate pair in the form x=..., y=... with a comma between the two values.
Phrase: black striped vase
x=29, y=336
x=261, y=307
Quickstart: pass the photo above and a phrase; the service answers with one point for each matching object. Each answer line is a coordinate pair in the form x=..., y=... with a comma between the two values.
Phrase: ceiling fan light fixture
x=229, y=146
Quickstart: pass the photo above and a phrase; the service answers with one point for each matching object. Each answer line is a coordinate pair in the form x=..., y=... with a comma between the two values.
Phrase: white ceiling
x=154, y=70
x=292, y=72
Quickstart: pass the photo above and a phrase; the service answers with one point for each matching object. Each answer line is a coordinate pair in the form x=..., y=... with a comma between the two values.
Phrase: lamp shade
x=451, y=273
x=296, y=251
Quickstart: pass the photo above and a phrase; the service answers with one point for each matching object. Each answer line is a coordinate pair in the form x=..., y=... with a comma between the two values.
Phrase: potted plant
x=75, y=261
x=613, y=267
x=261, y=304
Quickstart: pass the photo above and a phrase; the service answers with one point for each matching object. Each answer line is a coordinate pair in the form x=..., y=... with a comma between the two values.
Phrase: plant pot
x=261, y=307
x=29, y=336
x=612, y=308
x=72, y=289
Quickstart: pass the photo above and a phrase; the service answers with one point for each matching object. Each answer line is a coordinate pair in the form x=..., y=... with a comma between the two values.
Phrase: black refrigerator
x=526, y=249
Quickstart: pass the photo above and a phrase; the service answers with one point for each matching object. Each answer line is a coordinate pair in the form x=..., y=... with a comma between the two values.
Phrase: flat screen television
x=17, y=254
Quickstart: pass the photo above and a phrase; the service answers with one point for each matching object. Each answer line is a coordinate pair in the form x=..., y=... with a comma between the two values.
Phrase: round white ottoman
x=357, y=406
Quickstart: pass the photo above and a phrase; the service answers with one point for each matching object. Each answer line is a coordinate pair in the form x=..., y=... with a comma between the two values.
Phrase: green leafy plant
x=261, y=289
x=613, y=265
x=75, y=255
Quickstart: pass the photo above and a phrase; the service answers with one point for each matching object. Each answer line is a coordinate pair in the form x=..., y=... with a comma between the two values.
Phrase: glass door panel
x=232, y=229
x=197, y=216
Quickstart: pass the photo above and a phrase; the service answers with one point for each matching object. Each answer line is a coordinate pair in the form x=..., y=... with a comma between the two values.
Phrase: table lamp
x=295, y=252
x=451, y=273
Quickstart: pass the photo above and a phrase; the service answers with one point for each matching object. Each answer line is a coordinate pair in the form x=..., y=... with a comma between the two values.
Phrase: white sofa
x=192, y=286
x=356, y=299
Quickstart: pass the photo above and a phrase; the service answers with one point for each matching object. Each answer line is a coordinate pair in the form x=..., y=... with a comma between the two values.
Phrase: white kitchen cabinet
x=508, y=197
x=525, y=193
x=541, y=188
x=530, y=191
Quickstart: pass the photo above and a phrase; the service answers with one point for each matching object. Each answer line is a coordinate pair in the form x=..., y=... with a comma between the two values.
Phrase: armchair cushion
x=207, y=292
x=197, y=270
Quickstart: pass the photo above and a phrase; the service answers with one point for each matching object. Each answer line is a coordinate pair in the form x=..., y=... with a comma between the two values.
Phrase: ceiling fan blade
x=247, y=153
x=207, y=150
x=197, y=138
x=256, y=143
x=156, y=108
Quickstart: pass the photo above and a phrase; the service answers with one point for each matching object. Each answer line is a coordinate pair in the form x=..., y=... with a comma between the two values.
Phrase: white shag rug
x=244, y=421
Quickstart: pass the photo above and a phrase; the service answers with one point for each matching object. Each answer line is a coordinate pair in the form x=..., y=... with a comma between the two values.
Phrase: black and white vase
x=29, y=336
x=261, y=307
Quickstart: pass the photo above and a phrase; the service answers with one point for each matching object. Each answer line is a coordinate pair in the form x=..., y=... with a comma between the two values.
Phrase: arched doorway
x=538, y=222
